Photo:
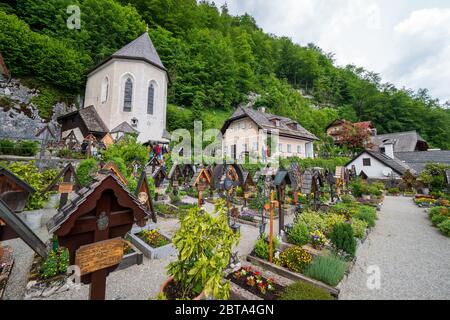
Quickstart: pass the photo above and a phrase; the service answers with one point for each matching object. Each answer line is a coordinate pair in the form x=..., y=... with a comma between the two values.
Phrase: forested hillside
x=214, y=60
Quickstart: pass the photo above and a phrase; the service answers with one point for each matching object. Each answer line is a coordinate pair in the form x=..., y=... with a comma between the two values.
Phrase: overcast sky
x=406, y=41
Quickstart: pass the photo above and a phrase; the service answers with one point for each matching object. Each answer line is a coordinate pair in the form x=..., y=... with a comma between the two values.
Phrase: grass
x=304, y=291
x=329, y=269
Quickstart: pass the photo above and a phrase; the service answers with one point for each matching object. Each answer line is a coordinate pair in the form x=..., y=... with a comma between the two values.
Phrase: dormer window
x=276, y=122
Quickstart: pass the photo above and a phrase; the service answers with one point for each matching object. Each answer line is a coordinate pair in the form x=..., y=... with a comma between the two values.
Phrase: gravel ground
x=413, y=257
x=135, y=283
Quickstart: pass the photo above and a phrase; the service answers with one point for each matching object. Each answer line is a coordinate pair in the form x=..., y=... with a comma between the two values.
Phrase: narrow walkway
x=413, y=257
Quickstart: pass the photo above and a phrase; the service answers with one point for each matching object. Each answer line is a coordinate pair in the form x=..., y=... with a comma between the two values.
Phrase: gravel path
x=412, y=256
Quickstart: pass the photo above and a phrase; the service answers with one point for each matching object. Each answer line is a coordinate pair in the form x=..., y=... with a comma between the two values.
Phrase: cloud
x=404, y=41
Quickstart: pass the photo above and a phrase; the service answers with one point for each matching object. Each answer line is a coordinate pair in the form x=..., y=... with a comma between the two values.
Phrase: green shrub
x=56, y=263
x=348, y=199
x=262, y=247
x=394, y=190
x=27, y=148
x=373, y=190
x=445, y=227
x=304, y=291
x=357, y=188
x=6, y=147
x=343, y=239
x=328, y=269
x=29, y=173
x=86, y=170
x=331, y=220
x=359, y=228
x=299, y=234
x=367, y=214
x=313, y=221
x=438, y=219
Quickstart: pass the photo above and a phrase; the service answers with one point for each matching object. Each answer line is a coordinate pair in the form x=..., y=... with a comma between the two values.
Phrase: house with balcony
x=336, y=129
x=241, y=134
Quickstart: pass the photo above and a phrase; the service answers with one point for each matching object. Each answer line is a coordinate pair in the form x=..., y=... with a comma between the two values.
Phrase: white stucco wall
x=151, y=127
x=376, y=169
x=245, y=131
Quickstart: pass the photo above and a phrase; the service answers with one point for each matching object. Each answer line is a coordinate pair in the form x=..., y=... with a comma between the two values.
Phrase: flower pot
x=170, y=279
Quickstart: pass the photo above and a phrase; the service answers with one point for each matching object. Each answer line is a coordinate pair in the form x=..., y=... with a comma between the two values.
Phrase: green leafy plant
x=153, y=238
x=329, y=269
x=205, y=244
x=313, y=221
x=299, y=234
x=86, y=170
x=343, y=239
x=56, y=263
x=29, y=173
x=445, y=227
x=331, y=220
x=367, y=214
x=359, y=228
x=304, y=291
x=262, y=247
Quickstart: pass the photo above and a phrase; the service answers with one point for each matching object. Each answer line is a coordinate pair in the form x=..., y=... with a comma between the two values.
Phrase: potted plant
x=204, y=243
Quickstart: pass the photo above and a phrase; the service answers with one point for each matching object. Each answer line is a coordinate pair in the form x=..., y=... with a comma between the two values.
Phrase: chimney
x=389, y=149
x=262, y=109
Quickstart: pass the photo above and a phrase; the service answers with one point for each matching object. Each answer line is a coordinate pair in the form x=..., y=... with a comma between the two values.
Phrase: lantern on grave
x=200, y=181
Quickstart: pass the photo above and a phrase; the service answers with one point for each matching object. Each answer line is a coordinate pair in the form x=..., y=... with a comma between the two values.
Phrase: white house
x=241, y=134
x=131, y=86
x=378, y=165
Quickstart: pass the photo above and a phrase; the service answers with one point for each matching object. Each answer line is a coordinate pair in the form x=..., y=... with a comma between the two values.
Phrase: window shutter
x=151, y=99
x=128, y=95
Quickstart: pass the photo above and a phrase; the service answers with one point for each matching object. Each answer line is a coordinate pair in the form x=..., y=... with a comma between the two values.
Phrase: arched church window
x=151, y=99
x=128, y=95
x=105, y=88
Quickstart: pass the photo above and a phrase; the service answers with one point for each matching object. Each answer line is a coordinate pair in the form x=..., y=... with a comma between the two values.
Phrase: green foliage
x=445, y=227
x=343, y=239
x=438, y=219
x=56, y=263
x=299, y=234
x=357, y=188
x=214, y=59
x=29, y=173
x=25, y=148
x=329, y=269
x=359, y=228
x=331, y=220
x=313, y=221
x=328, y=164
x=128, y=150
x=205, y=244
x=434, y=176
x=262, y=247
x=304, y=291
x=367, y=214
x=86, y=170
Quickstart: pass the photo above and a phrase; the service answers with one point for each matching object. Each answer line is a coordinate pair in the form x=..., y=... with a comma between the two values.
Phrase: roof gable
x=403, y=141
x=264, y=121
x=124, y=127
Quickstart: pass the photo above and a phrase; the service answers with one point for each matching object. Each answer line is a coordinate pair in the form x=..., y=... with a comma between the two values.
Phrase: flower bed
x=253, y=281
x=131, y=256
x=424, y=202
x=152, y=243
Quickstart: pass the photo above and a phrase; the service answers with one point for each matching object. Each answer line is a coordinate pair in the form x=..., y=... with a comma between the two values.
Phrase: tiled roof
x=395, y=164
x=264, y=121
x=141, y=48
x=72, y=205
x=92, y=120
x=403, y=141
x=419, y=159
x=124, y=127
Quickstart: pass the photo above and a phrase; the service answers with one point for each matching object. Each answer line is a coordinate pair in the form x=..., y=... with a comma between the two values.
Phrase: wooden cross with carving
x=271, y=206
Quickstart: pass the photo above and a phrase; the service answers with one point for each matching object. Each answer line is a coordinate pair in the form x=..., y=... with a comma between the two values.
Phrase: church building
x=130, y=86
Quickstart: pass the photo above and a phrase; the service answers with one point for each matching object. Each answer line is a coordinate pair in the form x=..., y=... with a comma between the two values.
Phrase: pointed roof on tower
x=142, y=49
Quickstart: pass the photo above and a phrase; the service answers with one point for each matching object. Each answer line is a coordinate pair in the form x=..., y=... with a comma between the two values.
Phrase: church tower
x=131, y=86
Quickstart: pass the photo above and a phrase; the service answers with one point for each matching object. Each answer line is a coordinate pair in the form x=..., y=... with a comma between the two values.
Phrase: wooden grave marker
x=100, y=255
x=70, y=183
x=14, y=191
x=200, y=181
x=104, y=211
x=111, y=166
x=144, y=196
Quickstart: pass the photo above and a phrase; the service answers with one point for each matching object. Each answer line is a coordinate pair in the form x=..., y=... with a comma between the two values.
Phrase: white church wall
x=151, y=127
